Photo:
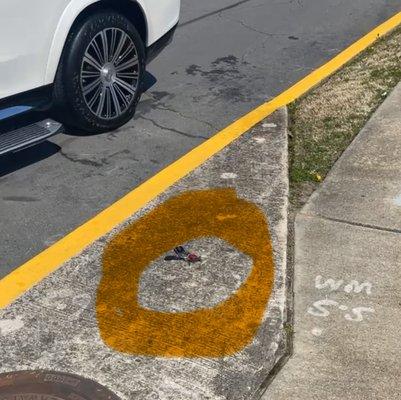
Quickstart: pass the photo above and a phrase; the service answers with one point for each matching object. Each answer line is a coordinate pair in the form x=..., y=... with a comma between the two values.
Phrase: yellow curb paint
x=33, y=271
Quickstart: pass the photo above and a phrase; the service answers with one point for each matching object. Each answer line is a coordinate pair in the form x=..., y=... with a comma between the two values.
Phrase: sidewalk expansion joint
x=352, y=223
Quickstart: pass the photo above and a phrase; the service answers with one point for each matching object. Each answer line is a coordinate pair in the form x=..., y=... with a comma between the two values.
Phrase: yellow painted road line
x=33, y=271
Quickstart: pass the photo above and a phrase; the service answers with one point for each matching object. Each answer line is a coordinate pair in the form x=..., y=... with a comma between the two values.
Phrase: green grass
x=325, y=121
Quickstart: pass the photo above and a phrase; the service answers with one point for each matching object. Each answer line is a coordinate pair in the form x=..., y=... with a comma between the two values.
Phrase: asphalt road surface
x=227, y=57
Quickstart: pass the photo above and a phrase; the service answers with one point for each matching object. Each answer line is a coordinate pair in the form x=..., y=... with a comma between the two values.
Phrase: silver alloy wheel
x=109, y=73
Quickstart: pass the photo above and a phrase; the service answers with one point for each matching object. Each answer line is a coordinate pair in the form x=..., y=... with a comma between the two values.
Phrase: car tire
x=100, y=76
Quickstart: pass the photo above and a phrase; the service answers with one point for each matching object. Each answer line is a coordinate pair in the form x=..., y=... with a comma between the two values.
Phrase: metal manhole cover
x=49, y=385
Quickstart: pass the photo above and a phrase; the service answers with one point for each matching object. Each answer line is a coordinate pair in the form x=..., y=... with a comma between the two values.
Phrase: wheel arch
x=79, y=9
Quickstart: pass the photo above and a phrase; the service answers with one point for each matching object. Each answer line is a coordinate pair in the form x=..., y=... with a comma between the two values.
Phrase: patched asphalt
x=147, y=328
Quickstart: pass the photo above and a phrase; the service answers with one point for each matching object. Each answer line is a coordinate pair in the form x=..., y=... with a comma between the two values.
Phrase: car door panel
x=26, y=31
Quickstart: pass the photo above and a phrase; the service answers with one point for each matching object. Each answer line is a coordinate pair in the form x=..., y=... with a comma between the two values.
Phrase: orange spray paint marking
x=211, y=332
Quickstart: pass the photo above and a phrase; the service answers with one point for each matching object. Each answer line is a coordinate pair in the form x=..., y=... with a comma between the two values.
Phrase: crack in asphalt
x=267, y=35
x=165, y=108
x=160, y=105
x=239, y=3
x=230, y=7
x=165, y=128
x=251, y=28
x=76, y=158
x=23, y=199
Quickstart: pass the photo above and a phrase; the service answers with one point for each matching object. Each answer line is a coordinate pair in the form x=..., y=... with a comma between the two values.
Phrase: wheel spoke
x=94, y=98
x=116, y=103
x=91, y=61
x=94, y=45
x=113, y=43
x=125, y=86
x=108, y=104
x=125, y=54
x=88, y=88
x=121, y=43
x=127, y=75
x=102, y=98
x=105, y=45
x=130, y=63
x=90, y=74
x=122, y=96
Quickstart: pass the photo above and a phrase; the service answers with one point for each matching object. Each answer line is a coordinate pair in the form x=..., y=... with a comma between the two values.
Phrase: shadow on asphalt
x=15, y=161
x=21, y=159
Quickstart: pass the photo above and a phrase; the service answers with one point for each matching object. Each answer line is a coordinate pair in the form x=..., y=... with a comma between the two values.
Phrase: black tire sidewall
x=77, y=43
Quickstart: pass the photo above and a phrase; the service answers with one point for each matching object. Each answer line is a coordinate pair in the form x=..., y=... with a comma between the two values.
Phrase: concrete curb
x=55, y=325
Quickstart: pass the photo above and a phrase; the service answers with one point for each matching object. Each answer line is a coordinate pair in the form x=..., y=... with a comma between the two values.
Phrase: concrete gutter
x=347, y=274
x=71, y=321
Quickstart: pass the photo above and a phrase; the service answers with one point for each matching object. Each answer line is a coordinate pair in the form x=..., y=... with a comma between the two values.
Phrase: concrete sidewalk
x=348, y=276
x=147, y=328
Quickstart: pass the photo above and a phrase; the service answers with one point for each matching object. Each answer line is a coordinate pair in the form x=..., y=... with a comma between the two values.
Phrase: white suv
x=88, y=56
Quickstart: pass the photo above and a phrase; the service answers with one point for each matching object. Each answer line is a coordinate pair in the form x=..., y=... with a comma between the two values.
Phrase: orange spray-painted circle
x=211, y=332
